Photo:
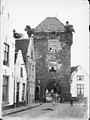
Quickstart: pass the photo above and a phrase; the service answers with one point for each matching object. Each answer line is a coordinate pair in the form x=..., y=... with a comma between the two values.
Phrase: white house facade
x=8, y=48
x=27, y=48
x=1, y=54
x=20, y=78
x=79, y=83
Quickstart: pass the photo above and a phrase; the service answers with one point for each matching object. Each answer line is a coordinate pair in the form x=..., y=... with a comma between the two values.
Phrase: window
x=80, y=77
x=32, y=67
x=6, y=54
x=2, y=10
x=21, y=71
x=80, y=89
x=38, y=81
x=23, y=91
x=5, y=89
x=18, y=86
x=52, y=49
x=52, y=69
x=31, y=54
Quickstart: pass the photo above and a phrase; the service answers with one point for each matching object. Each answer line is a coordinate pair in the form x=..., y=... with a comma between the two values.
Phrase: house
x=7, y=57
x=79, y=83
x=20, y=78
x=1, y=56
x=27, y=48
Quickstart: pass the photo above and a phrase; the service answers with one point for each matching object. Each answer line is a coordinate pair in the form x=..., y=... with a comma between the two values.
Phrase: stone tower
x=53, y=42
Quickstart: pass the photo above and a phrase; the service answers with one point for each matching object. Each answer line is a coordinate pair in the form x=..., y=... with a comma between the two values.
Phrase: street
x=47, y=111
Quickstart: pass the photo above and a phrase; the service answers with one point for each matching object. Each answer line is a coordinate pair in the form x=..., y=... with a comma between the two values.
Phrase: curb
x=21, y=110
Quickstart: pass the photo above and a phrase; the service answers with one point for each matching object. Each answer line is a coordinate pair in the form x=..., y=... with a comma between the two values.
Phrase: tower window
x=50, y=48
x=52, y=69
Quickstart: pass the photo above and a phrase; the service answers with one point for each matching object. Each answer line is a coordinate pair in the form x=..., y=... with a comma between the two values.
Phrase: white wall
x=1, y=55
x=75, y=82
x=20, y=63
x=8, y=32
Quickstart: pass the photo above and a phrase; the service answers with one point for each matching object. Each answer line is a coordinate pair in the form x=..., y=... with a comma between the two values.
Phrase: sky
x=33, y=12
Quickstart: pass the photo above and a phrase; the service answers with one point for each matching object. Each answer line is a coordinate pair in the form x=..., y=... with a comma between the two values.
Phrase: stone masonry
x=53, y=56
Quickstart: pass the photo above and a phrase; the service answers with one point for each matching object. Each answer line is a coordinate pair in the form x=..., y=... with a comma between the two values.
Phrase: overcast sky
x=33, y=12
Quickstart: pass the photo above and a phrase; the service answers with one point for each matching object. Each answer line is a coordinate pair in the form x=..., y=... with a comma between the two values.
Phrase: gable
x=81, y=72
x=78, y=71
x=73, y=69
x=19, y=58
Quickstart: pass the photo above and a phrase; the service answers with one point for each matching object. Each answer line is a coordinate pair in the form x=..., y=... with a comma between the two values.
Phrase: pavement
x=54, y=111
x=19, y=109
x=75, y=110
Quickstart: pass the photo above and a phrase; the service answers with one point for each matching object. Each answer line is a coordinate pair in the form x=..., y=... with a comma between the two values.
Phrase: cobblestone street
x=49, y=111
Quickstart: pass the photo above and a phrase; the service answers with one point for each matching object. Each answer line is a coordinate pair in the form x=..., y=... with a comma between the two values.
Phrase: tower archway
x=53, y=89
x=52, y=86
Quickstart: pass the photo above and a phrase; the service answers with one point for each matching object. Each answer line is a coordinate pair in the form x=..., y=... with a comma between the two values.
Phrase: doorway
x=37, y=93
x=17, y=94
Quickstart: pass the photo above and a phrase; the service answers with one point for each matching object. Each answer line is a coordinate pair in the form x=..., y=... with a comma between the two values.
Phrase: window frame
x=6, y=99
x=82, y=77
x=6, y=54
x=21, y=71
x=23, y=91
x=80, y=89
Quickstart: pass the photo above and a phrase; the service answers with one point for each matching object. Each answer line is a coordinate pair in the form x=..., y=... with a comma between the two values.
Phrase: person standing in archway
x=61, y=100
x=71, y=101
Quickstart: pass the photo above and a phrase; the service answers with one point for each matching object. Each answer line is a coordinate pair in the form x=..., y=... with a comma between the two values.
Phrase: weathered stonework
x=50, y=55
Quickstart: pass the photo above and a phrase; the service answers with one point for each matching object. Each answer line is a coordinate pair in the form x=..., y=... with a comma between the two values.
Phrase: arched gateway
x=52, y=85
x=52, y=42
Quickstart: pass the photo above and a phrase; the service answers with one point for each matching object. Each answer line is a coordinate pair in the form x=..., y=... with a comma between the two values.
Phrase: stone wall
x=59, y=57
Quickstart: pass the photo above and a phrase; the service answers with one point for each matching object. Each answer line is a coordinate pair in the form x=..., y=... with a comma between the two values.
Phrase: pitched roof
x=74, y=68
x=22, y=45
x=50, y=24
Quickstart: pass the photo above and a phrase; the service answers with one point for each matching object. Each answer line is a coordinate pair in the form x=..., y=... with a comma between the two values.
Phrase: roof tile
x=50, y=24
x=23, y=46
